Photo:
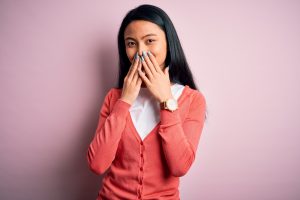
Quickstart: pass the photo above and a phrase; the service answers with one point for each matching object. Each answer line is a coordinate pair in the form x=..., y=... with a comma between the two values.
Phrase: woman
x=149, y=126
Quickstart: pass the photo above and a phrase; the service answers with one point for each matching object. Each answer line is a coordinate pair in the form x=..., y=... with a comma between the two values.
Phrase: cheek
x=130, y=54
x=160, y=55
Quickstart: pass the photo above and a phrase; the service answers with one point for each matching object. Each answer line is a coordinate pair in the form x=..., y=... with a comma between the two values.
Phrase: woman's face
x=141, y=35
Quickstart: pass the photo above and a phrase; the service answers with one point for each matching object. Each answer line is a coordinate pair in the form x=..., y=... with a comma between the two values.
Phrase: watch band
x=163, y=105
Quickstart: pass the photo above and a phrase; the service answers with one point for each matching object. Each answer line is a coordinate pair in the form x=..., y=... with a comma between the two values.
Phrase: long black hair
x=179, y=70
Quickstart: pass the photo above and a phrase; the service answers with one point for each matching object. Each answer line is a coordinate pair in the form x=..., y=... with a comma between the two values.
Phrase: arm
x=180, y=139
x=103, y=147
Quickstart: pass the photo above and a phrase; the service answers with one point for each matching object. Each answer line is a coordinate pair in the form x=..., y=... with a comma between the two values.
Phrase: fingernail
x=149, y=53
x=142, y=57
x=136, y=56
x=144, y=53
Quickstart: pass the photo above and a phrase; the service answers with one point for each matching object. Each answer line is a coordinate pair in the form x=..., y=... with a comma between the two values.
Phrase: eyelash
x=128, y=44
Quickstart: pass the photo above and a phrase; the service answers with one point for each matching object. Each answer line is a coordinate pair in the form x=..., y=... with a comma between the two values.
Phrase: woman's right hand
x=132, y=82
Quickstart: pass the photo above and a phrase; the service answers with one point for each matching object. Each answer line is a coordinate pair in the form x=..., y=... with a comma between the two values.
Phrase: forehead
x=139, y=28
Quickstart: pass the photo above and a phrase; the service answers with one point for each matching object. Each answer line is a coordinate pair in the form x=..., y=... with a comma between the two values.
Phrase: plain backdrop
x=58, y=58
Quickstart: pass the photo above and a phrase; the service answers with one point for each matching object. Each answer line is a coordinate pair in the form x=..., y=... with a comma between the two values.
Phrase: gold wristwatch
x=170, y=104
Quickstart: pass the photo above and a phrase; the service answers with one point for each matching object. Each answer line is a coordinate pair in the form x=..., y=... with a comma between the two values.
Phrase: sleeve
x=102, y=149
x=180, y=139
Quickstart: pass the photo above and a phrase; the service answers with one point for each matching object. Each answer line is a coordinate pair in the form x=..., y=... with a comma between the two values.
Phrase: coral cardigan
x=149, y=168
x=144, y=111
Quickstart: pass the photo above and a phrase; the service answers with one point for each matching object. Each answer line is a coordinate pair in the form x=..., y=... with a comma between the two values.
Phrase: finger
x=139, y=81
x=147, y=69
x=154, y=62
x=136, y=74
x=135, y=77
x=133, y=68
x=149, y=63
x=135, y=61
x=144, y=77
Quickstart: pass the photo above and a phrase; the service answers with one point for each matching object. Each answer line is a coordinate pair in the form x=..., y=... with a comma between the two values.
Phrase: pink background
x=59, y=58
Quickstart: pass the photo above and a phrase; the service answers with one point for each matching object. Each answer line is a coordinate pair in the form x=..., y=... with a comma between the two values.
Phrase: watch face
x=172, y=104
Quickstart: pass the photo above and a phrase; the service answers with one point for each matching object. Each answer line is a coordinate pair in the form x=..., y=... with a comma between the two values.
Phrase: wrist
x=126, y=100
x=165, y=98
x=171, y=104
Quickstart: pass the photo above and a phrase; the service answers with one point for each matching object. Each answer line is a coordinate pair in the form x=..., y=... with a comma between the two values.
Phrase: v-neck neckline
x=157, y=125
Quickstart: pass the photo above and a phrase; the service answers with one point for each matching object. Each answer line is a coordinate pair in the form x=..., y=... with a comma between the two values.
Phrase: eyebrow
x=150, y=34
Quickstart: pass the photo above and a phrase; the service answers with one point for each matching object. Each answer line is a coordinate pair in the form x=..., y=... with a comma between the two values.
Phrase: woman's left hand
x=156, y=80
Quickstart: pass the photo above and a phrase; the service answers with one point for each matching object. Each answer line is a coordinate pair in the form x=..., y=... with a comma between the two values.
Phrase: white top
x=145, y=110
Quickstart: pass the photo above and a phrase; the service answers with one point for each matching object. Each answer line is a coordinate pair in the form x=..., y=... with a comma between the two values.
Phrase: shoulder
x=195, y=104
x=195, y=96
x=112, y=96
x=113, y=93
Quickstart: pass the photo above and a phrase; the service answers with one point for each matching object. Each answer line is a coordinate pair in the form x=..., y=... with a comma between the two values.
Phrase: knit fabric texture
x=145, y=169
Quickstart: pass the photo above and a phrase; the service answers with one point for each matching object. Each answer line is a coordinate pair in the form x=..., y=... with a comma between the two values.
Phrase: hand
x=157, y=81
x=132, y=83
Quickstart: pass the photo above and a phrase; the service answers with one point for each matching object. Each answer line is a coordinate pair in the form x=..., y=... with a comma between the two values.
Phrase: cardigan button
x=142, y=143
x=141, y=168
x=142, y=155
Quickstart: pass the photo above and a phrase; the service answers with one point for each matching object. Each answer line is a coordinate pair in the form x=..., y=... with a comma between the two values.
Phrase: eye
x=151, y=41
x=130, y=43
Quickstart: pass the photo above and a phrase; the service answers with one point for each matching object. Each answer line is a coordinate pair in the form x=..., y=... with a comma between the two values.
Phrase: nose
x=141, y=52
x=141, y=49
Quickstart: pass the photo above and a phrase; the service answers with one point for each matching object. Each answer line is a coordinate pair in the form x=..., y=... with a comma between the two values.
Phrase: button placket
x=141, y=170
x=139, y=194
